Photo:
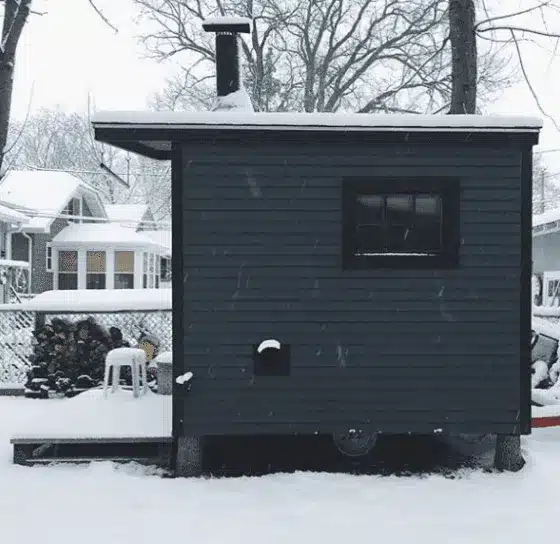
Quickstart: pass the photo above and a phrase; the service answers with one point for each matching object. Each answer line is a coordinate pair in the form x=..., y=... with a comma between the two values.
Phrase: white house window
x=74, y=207
x=49, y=257
x=124, y=269
x=144, y=270
x=96, y=269
x=165, y=269
x=67, y=270
x=551, y=290
x=152, y=269
x=158, y=271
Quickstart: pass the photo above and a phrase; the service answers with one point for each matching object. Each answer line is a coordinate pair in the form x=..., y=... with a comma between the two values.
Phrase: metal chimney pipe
x=227, y=51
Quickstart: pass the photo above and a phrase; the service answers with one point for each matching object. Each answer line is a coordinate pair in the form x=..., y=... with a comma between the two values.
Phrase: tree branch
x=102, y=16
x=510, y=15
x=528, y=81
x=519, y=29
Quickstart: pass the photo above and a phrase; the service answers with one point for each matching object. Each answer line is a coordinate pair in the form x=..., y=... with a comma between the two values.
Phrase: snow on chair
x=136, y=359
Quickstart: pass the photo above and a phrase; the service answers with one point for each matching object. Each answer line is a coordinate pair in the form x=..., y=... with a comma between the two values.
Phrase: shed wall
x=392, y=350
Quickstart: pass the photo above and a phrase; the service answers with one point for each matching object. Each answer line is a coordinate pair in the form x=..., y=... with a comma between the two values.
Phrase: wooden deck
x=41, y=451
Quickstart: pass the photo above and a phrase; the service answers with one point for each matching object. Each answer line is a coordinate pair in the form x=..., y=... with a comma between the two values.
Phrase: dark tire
x=188, y=461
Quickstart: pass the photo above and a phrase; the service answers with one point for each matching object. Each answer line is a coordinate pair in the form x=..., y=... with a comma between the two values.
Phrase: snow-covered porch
x=105, y=256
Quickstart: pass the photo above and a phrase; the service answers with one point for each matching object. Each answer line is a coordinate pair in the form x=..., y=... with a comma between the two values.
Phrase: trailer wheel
x=354, y=442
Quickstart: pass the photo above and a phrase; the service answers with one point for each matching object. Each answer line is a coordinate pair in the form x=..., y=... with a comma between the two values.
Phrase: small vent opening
x=271, y=358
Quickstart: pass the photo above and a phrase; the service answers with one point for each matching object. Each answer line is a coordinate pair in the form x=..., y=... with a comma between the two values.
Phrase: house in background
x=139, y=218
x=546, y=258
x=67, y=240
x=105, y=256
x=14, y=275
x=136, y=216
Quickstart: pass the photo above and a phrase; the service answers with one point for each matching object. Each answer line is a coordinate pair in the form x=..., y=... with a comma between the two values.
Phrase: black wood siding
x=394, y=350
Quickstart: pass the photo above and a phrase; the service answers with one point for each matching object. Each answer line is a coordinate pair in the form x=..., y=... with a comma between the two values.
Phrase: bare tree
x=16, y=13
x=56, y=140
x=546, y=187
x=465, y=33
x=318, y=55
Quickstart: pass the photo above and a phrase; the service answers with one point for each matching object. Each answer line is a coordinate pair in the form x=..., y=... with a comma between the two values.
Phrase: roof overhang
x=152, y=133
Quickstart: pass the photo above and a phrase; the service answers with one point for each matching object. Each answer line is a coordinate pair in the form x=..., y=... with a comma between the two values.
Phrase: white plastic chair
x=136, y=359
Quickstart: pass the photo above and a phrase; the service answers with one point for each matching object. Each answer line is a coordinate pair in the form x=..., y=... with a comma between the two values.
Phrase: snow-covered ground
x=103, y=504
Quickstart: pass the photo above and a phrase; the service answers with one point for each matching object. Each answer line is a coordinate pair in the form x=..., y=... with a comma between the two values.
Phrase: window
x=165, y=269
x=144, y=270
x=151, y=270
x=158, y=271
x=48, y=257
x=74, y=207
x=551, y=281
x=96, y=270
x=400, y=223
x=124, y=269
x=67, y=270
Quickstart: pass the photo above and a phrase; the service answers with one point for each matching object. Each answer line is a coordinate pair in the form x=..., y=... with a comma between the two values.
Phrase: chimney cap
x=228, y=24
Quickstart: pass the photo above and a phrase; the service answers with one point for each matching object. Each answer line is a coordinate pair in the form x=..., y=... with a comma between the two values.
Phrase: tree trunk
x=463, y=56
x=16, y=13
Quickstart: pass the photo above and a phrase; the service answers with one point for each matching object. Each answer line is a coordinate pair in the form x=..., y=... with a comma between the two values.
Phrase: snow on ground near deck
x=101, y=503
x=91, y=415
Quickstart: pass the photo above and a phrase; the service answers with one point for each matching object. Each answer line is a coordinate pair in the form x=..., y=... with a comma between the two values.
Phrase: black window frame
x=447, y=188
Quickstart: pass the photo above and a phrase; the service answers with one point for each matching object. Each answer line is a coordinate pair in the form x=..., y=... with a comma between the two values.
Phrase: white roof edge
x=315, y=121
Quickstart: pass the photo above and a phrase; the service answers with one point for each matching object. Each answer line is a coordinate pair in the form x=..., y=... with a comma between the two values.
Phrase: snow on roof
x=227, y=20
x=128, y=215
x=547, y=217
x=237, y=101
x=7, y=214
x=161, y=237
x=316, y=121
x=96, y=300
x=46, y=191
x=108, y=234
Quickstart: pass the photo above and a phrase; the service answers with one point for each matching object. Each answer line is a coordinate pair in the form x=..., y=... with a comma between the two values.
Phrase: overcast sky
x=70, y=52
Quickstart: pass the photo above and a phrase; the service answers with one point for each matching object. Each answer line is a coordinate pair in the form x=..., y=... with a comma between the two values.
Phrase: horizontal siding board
x=254, y=332
x=262, y=226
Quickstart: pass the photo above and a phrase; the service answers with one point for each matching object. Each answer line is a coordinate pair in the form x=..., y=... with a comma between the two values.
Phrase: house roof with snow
x=127, y=215
x=12, y=216
x=43, y=195
x=161, y=237
x=103, y=235
x=550, y=216
x=154, y=131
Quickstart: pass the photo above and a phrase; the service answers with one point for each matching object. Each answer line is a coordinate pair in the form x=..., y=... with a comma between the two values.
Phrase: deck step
x=145, y=450
x=48, y=460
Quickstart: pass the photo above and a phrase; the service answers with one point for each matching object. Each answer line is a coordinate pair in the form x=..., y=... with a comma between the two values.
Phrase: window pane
x=428, y=206
x=369, y=209
x=399, y=210
x=152, y=263
x=95, y=281
x=144, y=281
x=67, y=282
x=369, y=239
x=124, y=281
x=96, y=261
x=124, y=261
x=145, y=263
x=158, y=265
x=68, y=261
